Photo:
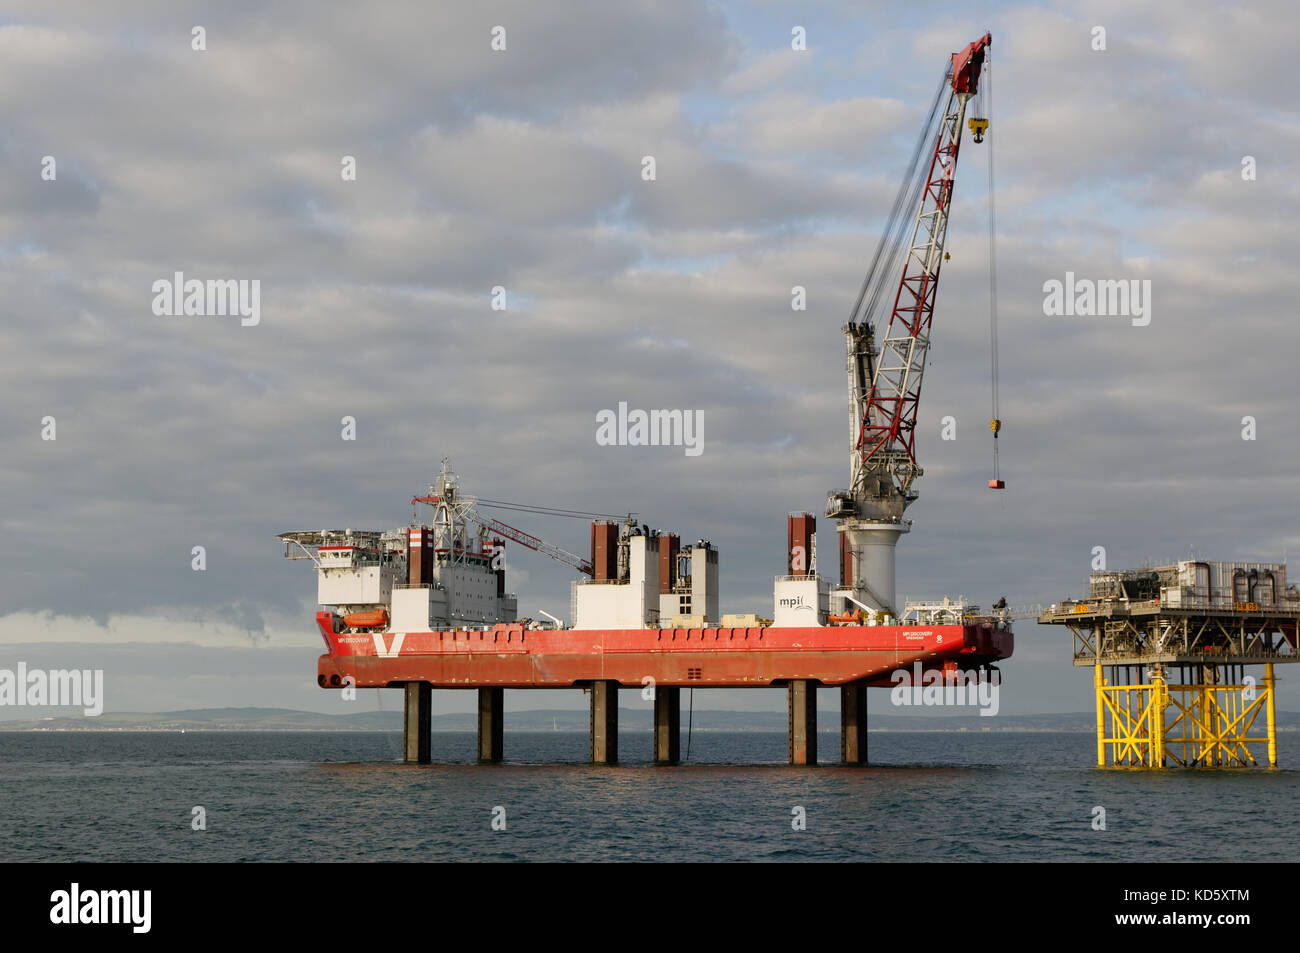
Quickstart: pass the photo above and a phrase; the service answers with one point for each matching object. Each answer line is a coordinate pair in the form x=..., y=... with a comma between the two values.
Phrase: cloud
x=789, y=124
x=523, y=169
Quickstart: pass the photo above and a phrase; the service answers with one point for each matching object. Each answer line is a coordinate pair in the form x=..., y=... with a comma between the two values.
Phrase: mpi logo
x=77, y=906
x=222, y=297
x=793, y=602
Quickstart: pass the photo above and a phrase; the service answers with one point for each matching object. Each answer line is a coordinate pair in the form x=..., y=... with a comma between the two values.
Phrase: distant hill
x=216, y=719
x=630, y=719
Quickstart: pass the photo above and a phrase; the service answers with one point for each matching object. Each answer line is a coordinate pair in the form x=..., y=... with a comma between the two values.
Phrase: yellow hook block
x=978, y=127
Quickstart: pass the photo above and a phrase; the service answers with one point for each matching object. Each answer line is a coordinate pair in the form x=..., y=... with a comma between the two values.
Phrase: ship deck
x=510, y=656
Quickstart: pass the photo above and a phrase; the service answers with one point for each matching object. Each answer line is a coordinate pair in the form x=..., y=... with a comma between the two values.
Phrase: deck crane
x=885, y=384
x=452, y=509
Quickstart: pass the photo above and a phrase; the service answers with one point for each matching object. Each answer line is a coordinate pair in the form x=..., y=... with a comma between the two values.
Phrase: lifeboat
x=366, y=620
x=855, y=616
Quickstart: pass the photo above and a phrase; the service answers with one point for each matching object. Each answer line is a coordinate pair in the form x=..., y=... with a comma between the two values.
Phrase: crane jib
x=886, y=438
x=966, y=65
x=517, y=535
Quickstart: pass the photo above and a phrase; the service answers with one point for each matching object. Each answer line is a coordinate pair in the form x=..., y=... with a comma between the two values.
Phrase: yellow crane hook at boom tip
x=978, y=127
x=996, y=484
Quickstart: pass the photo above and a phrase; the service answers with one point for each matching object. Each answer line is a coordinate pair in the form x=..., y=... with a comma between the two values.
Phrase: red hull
x=510, y=656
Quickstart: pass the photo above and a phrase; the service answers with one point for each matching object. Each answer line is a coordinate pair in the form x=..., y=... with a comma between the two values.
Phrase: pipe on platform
x=1099, y=683
x=1271, y=704
x=1156, y=731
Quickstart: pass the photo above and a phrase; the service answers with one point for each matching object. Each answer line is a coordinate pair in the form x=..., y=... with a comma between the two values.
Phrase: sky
x=522, y=169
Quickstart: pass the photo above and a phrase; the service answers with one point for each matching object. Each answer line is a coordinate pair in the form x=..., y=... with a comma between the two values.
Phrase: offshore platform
x=1170, y=648
x=426, y=606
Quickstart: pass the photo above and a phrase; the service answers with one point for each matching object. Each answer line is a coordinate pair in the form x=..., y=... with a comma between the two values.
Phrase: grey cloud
x=523, y=170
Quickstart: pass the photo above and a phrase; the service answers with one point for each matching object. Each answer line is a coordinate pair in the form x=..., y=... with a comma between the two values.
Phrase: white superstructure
x=694, y=594
x=653, y=585
x=420, y=578
x=631, y=602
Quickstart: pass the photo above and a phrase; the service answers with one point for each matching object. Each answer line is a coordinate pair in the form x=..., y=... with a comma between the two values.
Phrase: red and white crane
x=885, y=384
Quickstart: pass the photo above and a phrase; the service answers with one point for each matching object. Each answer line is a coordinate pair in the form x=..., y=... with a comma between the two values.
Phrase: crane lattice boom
x=885, y=451
x=468, y=513
x=885, y=384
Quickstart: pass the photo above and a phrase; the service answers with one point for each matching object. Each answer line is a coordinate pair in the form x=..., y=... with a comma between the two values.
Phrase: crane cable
x=547, y=510
x=885, y=262
x=995, y=424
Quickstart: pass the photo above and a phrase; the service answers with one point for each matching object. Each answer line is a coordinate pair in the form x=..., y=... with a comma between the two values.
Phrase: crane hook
x=996, y=484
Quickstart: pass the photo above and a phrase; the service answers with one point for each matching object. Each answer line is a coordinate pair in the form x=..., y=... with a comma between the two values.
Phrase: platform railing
x=1184, y=597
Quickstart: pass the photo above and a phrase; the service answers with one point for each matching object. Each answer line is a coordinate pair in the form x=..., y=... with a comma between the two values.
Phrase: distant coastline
x=634, y=719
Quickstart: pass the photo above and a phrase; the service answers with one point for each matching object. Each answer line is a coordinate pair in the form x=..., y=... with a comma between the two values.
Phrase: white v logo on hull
x=388, y=652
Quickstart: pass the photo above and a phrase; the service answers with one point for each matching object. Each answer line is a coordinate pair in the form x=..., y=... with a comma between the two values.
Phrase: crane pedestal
x=872, y=545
